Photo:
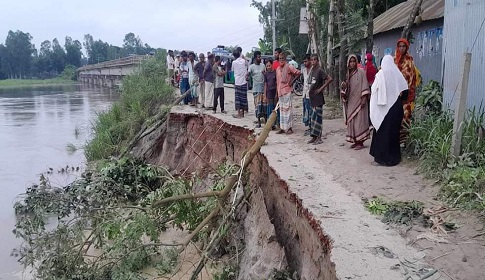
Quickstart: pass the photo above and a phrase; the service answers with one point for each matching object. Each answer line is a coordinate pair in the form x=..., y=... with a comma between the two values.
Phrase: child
x=270, y=88
x=219, y=74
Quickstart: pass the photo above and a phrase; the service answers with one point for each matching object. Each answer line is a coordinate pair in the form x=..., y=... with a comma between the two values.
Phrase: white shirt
x=170, y=62
x=177, y=62
x=240, y=71
x=306, y=86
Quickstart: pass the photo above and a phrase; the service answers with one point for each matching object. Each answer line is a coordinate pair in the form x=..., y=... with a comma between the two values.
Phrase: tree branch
x=185, y=197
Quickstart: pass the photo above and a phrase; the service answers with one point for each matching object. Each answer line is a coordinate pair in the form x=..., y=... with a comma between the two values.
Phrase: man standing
x=193, y=80
x=199, y=71
x=293, y=63
x=184, y=73
x=307, y=108
x=171, y=67
x=208, y=77
x=240, y=84
x=276, y=62
x=178, y=59
x=219, y=74
x=284, y=75
x=319, y=80
x=256, y=73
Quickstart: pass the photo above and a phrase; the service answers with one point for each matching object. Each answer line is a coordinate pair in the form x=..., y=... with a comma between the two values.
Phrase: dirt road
x=332, y=180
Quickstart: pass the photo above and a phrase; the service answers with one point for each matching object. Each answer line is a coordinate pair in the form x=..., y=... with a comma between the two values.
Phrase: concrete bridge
x=110, y=73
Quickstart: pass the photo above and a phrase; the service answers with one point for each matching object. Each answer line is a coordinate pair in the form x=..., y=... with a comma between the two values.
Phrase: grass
x=142, y=95
x=462, y=179
x=12, y=83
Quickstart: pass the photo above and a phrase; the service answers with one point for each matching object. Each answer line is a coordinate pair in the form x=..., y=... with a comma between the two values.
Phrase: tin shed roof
x=398, y=15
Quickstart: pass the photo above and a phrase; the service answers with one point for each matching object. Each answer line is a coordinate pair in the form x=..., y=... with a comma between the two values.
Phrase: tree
x=133, y=44
x=113, y=52
x=99, y=52
x=58, y=56
x=45, y=48
x=18, y=54
x=343, y=40
x=73, y=52
x=3, y=75
x=370, y=27
x=287, y=25
x=406, y=32
x=88, y=43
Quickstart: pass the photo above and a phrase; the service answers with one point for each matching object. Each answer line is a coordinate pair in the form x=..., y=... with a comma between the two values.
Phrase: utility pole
x=273, y=23
x=312, y=27
x=331, y=19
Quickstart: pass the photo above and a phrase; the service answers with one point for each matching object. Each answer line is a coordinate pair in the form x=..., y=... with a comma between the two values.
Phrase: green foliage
x=430, y=137
x=228, y=273
x=431, y=98
x=103, y=226
x=69, y=73
x=395, y=212
x=11, y=83
x=282, y=275
x=140, y=99
x=287, y=37
x=376, y=206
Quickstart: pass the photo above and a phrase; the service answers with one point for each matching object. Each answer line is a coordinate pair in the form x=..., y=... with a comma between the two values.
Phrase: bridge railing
x=130, y=60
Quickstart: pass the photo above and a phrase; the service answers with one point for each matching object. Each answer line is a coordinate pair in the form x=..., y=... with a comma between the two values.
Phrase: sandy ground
x=332, y=181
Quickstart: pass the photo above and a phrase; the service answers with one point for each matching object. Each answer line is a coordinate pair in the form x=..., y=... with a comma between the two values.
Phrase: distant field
x=31, y=82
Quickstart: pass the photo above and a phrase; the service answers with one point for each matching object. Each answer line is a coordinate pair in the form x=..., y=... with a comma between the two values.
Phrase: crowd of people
x=376, y=100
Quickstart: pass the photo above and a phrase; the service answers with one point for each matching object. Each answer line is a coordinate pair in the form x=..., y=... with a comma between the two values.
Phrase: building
x=464, y=32
x=427, y=43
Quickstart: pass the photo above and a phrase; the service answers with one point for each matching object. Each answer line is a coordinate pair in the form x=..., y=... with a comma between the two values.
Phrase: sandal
x=281, y=131
x=359, y=147
x=353, y=145
x=236, y=116
x=318, y=141
x=289, y=131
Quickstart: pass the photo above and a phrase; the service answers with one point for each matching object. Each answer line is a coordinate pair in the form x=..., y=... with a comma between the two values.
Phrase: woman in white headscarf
x=386, y=113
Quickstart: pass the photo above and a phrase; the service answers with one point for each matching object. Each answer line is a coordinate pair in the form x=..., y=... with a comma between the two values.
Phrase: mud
x=313, y=199
x=199, y=143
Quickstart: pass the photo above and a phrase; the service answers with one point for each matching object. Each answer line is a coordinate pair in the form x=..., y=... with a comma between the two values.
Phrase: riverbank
x=17, y=83
x=333, y=182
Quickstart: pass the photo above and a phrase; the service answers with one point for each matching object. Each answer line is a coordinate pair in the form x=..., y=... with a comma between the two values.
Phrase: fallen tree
x=110, y=222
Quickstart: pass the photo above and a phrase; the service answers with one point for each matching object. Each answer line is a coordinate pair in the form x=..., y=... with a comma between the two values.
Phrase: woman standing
x=405, y=63
x=284, y=75
x=370, y=68
x=386, y=113
x=355, y=93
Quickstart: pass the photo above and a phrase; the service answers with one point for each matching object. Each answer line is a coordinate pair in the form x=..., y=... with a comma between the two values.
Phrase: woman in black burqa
x=386, y=113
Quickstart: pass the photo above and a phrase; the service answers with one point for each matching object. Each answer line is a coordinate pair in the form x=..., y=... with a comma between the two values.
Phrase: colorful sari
x=405, y=63
x=357, y=113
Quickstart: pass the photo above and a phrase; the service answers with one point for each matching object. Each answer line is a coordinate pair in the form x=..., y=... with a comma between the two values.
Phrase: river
x=36, y=126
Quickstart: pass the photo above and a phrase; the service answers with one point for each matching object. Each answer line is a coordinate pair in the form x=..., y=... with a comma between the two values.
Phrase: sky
x=197, y=25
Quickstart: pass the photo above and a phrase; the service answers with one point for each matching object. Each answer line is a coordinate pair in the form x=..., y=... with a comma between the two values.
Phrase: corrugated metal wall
x=426, y=49
x=463, y=19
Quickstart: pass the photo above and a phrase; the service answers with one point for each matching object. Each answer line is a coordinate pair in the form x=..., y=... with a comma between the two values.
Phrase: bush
x=69, y=73
x=141, y=97
x=462, y=178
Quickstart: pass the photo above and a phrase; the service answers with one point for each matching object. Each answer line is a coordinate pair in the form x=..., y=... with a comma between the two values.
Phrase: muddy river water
x=41, y=128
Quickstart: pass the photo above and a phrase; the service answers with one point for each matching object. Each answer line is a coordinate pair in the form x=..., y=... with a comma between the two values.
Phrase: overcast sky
x=199, y=25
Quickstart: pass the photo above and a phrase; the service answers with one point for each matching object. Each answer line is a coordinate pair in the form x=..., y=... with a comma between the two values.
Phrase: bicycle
x=297, y=85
